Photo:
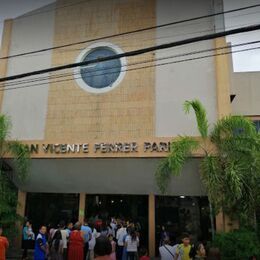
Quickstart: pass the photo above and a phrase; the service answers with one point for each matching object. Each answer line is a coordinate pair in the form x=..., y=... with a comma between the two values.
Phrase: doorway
x=183, y=214
x=129, y=208
x=51, y=208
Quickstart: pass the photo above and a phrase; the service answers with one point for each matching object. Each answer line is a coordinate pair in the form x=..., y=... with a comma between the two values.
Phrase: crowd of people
x=181, y=248
x=80, y=241
x=103, y=240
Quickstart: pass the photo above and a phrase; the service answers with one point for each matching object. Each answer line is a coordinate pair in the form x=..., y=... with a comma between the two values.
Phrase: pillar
x=220, y=222
x=20, y=210
x=222, y=62
x=82, y=203
x=225, y=224
x=151, y=205
x=222, y=79
x=4, y=50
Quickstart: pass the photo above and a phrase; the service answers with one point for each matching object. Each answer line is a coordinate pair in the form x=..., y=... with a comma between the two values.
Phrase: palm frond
x=181, y=150
x=233, y=177
x=163, y=175
x=5, y=126
x=201, y=115
x=21, y=158
x=232, y=126
x=212, y=178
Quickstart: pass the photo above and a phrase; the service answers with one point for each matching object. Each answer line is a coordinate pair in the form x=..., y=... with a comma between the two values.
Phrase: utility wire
x=145, y=39
x=131, y=32
x=143, y=67
x=55, y=76
x=136, y=52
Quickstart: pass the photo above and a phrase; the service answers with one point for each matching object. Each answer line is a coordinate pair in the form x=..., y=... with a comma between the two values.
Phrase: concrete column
x=20, y=210
x=220, y=222
x=82, y=203
x=225, y=224
x=4, y=51
x=222, y=80
x=151, y=225
x=222, y=63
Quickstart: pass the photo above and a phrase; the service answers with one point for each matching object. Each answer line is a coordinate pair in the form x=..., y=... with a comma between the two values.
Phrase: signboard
x=115, y=147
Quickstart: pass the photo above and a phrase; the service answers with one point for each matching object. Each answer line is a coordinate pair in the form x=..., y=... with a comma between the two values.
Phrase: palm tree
x=229, y=167
x=19, y=155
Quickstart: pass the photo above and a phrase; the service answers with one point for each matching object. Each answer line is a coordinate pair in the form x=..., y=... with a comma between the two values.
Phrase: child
x=200, y=252
x=183, y=250
x=31, y=235
x=144, y=254
x=113, y=244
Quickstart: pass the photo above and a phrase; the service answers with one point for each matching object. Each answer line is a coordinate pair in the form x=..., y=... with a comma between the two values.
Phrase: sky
x=14, y=8
x=242, y=62
x=249, y=60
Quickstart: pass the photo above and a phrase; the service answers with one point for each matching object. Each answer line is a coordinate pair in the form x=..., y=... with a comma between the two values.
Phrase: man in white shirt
x=64, y=237
x=113, y=225
x=120, y=236
x=167, y=252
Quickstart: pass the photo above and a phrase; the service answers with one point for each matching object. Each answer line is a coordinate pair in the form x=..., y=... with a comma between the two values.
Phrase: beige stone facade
x=128, y=110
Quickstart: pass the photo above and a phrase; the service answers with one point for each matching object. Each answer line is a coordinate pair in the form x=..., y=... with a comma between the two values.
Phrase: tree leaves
x=163, y=175
x=180, y=151
x=212, y=178
x=172, y=165
x=5, y=126
x=201, y=116
x=8, y=192
x=21, y=158
x=231, y=175
x=232, y=126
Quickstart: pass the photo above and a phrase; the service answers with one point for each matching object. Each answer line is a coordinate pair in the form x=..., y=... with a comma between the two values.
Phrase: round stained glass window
x=101, y=76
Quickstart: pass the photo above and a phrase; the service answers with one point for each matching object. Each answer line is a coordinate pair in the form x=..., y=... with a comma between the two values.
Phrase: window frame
x=254, y=118
x=77, y=74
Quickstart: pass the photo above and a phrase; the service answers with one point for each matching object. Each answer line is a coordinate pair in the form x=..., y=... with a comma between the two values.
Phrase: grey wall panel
x=27, y=107
x=188, y=80
x=245, y=86
x=107, y=176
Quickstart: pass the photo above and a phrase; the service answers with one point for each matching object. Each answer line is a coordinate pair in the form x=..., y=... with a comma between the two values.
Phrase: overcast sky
x=242, y=62
x=14, y=8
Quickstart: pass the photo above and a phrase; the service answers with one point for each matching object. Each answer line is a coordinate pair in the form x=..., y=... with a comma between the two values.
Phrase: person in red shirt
x=144, y=254
x=76, y=243
x=3, y=245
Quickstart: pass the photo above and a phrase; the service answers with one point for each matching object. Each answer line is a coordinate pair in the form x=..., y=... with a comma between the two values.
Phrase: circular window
x=102, y=76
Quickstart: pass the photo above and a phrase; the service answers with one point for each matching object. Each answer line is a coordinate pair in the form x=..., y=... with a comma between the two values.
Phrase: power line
x=131, y=32
x=136, y=52
x=143, y=67
x=21, y=82
x=149, y=39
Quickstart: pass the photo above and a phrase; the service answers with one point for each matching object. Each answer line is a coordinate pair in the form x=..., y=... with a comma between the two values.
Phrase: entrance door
x=124, y=207
x=51, y=208
x=183, y=214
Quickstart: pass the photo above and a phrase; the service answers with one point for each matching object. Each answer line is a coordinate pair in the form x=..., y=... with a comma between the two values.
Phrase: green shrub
x=237, y=245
